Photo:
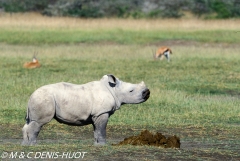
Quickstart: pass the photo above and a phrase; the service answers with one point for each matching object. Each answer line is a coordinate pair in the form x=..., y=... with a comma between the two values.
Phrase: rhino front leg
x=99, y=125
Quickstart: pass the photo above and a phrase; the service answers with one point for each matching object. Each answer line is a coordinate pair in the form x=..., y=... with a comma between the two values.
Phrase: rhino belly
x=73, y=109
x=76, y=122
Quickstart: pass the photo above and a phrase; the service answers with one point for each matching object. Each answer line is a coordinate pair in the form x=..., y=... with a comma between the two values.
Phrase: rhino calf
x=90, y=103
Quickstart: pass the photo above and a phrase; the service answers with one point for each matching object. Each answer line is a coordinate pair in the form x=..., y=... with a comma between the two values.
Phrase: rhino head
x=128, y=93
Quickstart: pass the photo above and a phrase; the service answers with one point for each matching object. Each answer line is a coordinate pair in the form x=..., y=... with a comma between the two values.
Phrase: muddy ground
x=196, y=143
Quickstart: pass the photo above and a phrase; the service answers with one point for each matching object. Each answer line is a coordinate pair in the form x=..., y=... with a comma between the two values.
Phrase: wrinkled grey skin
x=90, y=103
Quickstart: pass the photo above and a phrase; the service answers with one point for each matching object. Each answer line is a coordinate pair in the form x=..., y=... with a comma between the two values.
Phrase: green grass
x=189, y=90
x=120, y=36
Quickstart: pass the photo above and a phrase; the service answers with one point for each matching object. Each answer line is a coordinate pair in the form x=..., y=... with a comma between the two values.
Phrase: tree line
x=126, y=8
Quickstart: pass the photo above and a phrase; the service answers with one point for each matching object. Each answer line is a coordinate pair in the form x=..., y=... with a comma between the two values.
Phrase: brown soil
x=147, y=138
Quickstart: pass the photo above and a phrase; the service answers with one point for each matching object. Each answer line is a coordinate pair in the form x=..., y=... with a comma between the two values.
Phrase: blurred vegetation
x=126, y=8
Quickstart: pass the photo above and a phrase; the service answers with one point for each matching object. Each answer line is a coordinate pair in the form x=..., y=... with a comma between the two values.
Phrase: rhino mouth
x=146, y=94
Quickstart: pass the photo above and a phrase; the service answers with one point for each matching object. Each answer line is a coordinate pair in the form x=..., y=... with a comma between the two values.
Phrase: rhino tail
x=27, y=117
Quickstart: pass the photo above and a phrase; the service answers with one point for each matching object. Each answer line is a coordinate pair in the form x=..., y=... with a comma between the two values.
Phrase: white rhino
x=90, y=103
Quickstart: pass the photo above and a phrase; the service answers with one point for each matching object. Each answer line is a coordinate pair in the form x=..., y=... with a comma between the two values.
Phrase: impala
x=161, y=52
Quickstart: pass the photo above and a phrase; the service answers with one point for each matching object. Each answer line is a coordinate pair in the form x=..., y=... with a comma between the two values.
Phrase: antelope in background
x=33, y=64
x=161, y=52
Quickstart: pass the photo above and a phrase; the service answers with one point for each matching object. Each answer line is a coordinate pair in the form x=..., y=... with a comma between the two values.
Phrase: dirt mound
x=147, y=138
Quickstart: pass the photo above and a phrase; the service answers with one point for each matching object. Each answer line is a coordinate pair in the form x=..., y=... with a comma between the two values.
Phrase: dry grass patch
x=35, y=20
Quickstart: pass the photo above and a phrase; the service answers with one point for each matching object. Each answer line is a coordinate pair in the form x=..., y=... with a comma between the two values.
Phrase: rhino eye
x=131, y=91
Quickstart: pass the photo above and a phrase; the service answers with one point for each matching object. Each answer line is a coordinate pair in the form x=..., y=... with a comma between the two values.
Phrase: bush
x=125, y=8
x=172, y=9
x=222, y=9
x=200, y=7
x=75, y=8
x=24, y=5
x=236, y=8
x=13, y=6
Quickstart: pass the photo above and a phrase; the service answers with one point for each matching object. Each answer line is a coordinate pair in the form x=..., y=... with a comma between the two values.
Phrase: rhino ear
x=112, y=80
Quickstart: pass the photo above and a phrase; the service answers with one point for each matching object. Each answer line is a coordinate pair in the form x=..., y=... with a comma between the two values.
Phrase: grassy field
x=195, y=96
x=34, y=29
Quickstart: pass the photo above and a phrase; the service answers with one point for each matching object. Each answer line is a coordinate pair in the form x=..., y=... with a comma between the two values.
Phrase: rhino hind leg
x=30, y=133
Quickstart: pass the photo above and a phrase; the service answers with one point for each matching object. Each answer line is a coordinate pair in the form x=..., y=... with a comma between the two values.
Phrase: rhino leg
x=100, y=125
x=39, y=112
x=30, y=133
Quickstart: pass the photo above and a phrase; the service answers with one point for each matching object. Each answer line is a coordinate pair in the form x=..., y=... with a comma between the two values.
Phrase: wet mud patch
x=147, y=138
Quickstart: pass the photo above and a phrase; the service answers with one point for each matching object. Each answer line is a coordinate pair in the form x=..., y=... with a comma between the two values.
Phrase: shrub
x=236, y=8
x=125, y=8
x=222, y=9
x=24, y=5
x=200, y=7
